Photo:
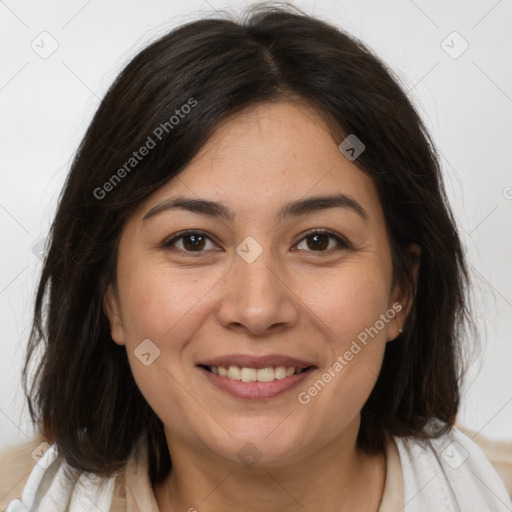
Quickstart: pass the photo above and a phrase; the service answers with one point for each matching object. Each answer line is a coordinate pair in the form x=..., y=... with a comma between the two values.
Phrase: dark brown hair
x=82, y=394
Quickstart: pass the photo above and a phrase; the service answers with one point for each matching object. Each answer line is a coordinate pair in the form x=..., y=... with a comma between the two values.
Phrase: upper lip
x=248, y=361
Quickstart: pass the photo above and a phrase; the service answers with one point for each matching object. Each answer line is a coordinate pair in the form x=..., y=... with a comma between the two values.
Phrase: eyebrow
x=292, y=209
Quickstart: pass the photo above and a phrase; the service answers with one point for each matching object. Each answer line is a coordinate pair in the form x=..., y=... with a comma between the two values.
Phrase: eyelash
x=343, y=243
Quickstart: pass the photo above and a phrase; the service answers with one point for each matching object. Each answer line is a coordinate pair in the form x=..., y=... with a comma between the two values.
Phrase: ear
x=111, y=309
x=401, y=299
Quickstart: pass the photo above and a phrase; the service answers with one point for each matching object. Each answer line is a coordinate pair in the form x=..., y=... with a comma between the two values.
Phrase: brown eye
x=319, y=241
x=190, y=241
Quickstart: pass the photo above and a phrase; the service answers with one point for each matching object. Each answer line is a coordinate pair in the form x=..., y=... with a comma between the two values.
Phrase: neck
x=334, y=478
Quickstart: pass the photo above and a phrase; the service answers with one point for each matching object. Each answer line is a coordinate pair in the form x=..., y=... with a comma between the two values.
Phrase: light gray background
x=46, y=105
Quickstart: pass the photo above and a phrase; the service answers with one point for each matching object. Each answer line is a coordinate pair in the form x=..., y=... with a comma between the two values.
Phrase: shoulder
x=16, y=464
x=449, y=473
x=499, y=454
x=49, y=483
x=36, y=478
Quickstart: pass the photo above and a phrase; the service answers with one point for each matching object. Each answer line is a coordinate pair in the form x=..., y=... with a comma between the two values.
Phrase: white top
x=447, y=474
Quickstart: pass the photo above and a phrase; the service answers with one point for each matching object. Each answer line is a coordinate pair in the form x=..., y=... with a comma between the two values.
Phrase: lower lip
x=255, y=390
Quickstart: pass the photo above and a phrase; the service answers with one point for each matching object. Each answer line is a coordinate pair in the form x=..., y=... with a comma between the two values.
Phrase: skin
x=293, y=300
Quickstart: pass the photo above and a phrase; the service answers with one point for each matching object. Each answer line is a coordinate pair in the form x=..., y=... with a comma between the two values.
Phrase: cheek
x=165, y=308
x=161, y=303
x=351, y=301
x=352, y=310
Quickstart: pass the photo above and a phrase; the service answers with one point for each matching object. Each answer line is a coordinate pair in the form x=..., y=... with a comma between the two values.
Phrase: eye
x=190, y=241
x=319, y=240
x=196, y=241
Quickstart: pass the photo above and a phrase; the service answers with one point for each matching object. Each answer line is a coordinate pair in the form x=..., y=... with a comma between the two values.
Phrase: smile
x=246, y=374
x=245, y=383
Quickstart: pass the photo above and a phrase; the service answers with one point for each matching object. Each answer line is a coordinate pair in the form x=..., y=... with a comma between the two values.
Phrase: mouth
x=248, y=374
x=255, y=377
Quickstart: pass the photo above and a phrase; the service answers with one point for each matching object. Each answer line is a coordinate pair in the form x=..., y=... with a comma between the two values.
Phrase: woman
x=255, y=293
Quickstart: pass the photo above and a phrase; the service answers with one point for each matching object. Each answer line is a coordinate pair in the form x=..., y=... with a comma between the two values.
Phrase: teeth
x=255, y=374
x=248, y=375
x=234, y=372
x=280, y=372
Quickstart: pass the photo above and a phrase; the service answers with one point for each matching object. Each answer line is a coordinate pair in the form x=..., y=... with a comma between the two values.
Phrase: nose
x=258, y=296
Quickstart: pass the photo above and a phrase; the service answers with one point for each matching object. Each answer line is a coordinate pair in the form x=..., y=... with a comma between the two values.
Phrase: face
x=308, y=288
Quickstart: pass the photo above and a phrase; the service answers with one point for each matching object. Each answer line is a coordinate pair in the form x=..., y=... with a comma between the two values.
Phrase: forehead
x=269, y=155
